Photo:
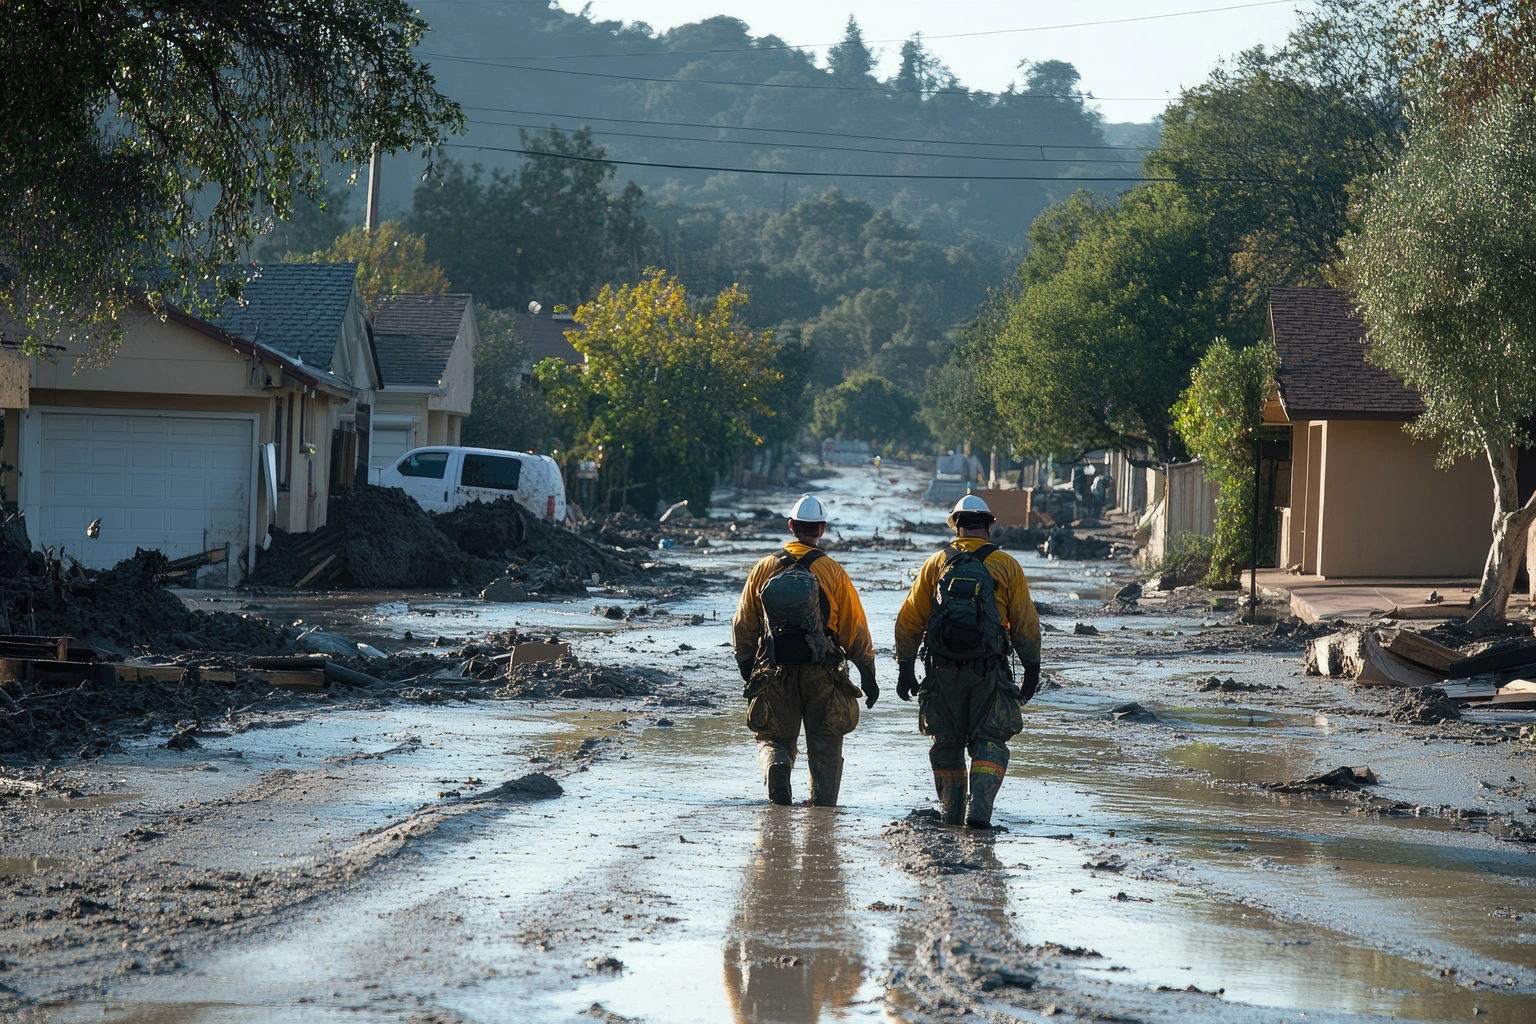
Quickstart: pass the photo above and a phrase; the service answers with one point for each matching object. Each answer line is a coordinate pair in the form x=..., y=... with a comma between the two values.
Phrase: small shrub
x=1187, y=560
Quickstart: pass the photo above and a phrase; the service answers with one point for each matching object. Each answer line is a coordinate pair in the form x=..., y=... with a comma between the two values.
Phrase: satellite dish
x=534, y=307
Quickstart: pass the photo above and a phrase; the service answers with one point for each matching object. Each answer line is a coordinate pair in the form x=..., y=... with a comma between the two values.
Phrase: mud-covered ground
x=521, y=850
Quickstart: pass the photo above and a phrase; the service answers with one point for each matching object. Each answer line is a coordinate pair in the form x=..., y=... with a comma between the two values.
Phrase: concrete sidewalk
x=1315, y=599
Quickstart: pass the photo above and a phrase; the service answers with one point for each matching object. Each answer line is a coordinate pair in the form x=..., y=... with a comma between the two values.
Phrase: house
x=1365, y=499
x=196, y=434
x=543, y=337
x=426, y=347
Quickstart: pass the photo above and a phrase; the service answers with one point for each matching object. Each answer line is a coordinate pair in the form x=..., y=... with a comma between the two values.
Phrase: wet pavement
x=661, y=887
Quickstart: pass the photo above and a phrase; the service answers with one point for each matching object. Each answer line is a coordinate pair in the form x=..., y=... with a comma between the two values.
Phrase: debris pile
x=1501, y=674
x=1424, y=707
x=379, y=538
x=630, y=530
x=1341, y=778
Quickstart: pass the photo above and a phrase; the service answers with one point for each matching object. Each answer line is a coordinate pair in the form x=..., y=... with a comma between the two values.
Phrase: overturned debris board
x=1517, y=693
x=1379, y=667
x=310, y=681
x=1462, y=690
x=1510, y=656
x=1419, y=649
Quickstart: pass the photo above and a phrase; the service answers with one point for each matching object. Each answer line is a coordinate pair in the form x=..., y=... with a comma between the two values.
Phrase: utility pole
x=372, y=221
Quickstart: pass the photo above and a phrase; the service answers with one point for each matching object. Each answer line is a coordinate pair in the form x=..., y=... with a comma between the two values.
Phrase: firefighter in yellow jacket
x=968, y=609
x=798, y=625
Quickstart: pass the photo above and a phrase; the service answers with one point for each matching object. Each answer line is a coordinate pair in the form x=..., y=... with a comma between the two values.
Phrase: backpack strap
x=809, y=558
x=982, y=553
x=986, y=551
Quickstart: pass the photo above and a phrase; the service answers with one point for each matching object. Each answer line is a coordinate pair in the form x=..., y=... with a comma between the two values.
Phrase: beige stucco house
x=1365, y=500
x=426, y=348
x=197, y=433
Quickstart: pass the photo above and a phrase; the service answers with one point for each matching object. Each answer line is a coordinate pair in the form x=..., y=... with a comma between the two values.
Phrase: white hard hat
x=808, y=510
x=970, y=503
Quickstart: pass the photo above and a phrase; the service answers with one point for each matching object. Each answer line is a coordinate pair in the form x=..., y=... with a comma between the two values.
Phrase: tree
x=509, y=412
x=139, y=142
x=671, y=387
x=390, y=261
x=552, y=231
x=1095, y=351
x=866, y=407
x=851, y=60
x=1219, y=416
x=1444, y=269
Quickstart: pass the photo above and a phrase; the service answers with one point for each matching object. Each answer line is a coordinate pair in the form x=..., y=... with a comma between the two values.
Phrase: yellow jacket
x=846, y=622
x=1011, y=589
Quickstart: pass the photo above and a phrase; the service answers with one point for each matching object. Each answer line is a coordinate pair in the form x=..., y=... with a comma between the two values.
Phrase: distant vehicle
x=445, y=477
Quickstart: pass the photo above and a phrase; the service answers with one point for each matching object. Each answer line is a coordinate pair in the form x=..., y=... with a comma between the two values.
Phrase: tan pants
x=820, y=699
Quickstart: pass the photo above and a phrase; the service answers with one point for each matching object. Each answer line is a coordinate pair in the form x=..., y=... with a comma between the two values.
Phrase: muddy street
x=447, y=855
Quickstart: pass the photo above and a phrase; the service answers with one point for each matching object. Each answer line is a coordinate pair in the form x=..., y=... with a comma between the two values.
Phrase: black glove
x=1031, y=680
x=906, y=679
x=746, y=670
x=867, y=684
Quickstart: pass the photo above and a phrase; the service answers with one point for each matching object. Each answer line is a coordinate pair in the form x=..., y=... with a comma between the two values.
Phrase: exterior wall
x=1293, y=519
x=1310, y=521
x=458, y=384
x=1384, y=509
x=455, y=429
x=437, y=427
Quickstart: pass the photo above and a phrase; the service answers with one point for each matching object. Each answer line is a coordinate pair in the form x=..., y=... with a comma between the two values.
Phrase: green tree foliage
x=668, y=387
x=139, y=142
x=851, y=60
x=312, y=225
x=552, y=231
x=1444, y=268
x=509, y=412
x=866, y=407
x=390, y=261
x=1218, y=416
x=1095, y=353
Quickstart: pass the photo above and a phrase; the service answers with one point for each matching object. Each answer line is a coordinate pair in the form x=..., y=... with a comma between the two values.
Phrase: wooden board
x=1379, y=667
x=537, y=651
x=312, y=681
x=1419, y=649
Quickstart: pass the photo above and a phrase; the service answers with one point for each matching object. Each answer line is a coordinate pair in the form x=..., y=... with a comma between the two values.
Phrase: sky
x=1134, y=66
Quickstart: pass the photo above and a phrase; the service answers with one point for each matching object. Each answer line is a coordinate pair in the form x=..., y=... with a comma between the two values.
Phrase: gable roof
x=1323, y=375
x=414, y=336
x=543, y=337
x=296, y=308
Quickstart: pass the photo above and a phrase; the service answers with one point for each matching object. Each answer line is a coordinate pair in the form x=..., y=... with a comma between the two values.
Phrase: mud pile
x=379, y=538
x=571, y=678
x=629, y=529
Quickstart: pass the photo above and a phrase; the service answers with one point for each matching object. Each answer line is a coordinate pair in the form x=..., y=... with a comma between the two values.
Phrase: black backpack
x=964, y=624
x=795, y=613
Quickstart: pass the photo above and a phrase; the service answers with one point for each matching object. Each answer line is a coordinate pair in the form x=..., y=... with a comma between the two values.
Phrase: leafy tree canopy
x=668, y=387
x=867, y=407
x=140, y=143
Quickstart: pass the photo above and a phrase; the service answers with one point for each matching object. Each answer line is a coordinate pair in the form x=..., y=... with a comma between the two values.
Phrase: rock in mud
x=186, y=739
x=1341, y=778
x=1132, y=712
x=1424, y=707
x=505, y=590
x=1084, y=629
x=606, y=965
x=536, y=786
x=1215, y=685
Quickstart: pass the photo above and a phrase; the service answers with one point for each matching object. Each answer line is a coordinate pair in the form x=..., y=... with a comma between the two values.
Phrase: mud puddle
x=663, y=858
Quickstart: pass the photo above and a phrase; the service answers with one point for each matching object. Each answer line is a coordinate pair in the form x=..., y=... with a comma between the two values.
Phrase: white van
x=443, y=477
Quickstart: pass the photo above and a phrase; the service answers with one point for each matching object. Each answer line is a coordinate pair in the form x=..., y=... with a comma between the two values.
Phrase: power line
x=1042, y=158
x=801, y=131
x=948, y=35
x=858, y=174
x=784, y=85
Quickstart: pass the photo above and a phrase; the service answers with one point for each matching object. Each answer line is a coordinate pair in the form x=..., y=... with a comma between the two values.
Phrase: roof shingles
x=414, y=336
x=1323, y=375
x=296, y=308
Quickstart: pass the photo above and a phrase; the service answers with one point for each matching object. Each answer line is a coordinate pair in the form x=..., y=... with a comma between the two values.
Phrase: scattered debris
x=1215, y=685
x=570, y=678
x=1343, y=777
x=1424, y=707
x=606, y=965
x=1084, y=629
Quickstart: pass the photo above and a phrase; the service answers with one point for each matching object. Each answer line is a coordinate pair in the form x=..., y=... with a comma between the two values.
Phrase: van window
x=494, y=471
x=428, y=464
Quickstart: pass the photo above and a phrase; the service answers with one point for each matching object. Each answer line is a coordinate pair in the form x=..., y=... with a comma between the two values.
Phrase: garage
x=181, y=483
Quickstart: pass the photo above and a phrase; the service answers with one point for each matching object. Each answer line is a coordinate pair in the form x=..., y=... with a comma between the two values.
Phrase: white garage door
x=179, y=484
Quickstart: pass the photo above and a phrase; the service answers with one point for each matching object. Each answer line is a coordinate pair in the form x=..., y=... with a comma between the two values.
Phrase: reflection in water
x=793, y=950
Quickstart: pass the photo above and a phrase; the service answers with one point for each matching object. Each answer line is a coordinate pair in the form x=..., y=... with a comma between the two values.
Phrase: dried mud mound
x=570, y=678
x=379, y=538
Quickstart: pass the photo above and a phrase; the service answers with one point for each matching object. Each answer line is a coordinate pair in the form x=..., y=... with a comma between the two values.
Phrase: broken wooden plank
x=1469, y=689
x=49, y=672
x=316, y=570
x=1419, y=649
x=537, y=651
x=312, y=681
x=1517, y=693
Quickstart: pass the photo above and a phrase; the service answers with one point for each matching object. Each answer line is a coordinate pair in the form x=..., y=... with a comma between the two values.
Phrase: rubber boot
x=826, y=781
x=951, y=788
x=778, y=783
x=985, y=782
